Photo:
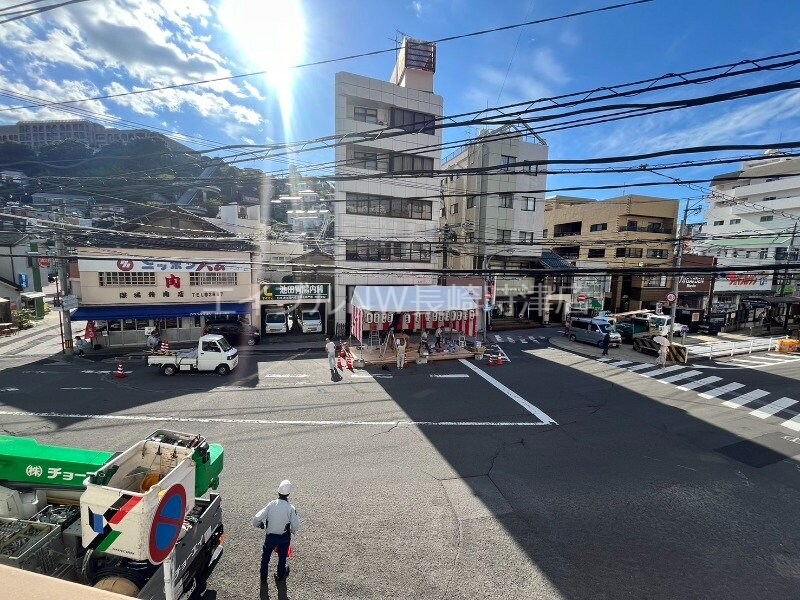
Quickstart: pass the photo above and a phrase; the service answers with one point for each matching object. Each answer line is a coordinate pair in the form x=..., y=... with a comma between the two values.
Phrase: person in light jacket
x=280, y=520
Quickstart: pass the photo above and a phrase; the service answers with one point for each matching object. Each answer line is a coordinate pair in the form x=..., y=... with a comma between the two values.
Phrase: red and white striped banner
x=357, y=324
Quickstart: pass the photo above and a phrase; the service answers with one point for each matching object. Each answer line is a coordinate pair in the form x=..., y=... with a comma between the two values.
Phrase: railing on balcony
x=661, y=230
x=566, y=233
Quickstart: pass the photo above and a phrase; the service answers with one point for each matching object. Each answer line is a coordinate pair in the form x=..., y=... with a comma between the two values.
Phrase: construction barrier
x=676, y=352
x=787, y=346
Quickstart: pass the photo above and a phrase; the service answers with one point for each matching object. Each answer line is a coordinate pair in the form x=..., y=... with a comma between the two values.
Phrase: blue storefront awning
x=164, y=311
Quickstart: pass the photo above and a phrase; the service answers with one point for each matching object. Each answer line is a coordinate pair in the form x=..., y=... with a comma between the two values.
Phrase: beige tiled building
x=627, y=231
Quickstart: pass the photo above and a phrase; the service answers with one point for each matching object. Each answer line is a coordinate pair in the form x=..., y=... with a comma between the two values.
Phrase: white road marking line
x=523, y=340
x=715, y=392
x=679, y=376
x=498, y=338
x=510, y=340
x=9, y=389
x=453, y=376
x=745, y=398
x=532, y=338
x=659, y=370
x=793, y=423
x=371, y=376
x=778, y=358
x=279, y=375
x=511, y=394
x=604, y=359
x=44, y=372
x=619, y=363
x=640, y=367
x=699, y=383
x=105, y=372
x=176, y=419
x=773, y=408
x=747, y=361
x=76, y=388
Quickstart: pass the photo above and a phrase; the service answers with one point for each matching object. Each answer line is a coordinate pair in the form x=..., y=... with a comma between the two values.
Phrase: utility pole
x=786, y=275
x=676, y=277
x=62, y=277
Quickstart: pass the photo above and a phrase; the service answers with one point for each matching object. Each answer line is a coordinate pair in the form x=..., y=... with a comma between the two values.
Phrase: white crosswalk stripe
x=640, y=367
x=716, y=392
x=699, y=383
x=604, y=359
x=793, y=423
x=773, y=408
x=745, y=398
x=619, y=363
x=659, y=370
x=679, y=376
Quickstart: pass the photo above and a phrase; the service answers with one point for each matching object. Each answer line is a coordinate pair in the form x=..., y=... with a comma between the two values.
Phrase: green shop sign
x=295, y=291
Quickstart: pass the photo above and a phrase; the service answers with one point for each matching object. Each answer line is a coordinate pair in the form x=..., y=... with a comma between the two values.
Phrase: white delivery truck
x=213, y=353
x=310, y=321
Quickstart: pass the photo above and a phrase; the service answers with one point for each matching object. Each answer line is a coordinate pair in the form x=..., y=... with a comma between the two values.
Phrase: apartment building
x=752, y=219
x=36, y=134
x=380, y=222
x=627, y=231
x=494, y=220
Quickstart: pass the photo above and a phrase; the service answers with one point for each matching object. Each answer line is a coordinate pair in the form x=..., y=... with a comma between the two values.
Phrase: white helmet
x=285, y=488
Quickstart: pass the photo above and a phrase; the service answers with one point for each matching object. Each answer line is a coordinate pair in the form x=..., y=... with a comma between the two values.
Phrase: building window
x=454, y=209
x=385, y=206
x=365, y=115
x=504, y=235
x=763, y=253
x=365, y=160
x=470, y=237
x=766, y=218
x=410, y=163
x=413, y=122
x=506, y=161
x=127, y=279
x=629, y=253
x=719, y=222
x=370, y=250
x=598, y=227
x=506, y=200
x=544, y=233
x=213, y=279
x=470, y=201
x=657, y=254
x=529, y=203
x=597, y=252
x=654, y=281
x=734, y=221
x=526, y=237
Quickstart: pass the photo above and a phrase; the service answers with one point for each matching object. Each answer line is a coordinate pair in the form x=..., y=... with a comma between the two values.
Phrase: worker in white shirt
x=280, y=519
x=330, y=348
x=400, y=347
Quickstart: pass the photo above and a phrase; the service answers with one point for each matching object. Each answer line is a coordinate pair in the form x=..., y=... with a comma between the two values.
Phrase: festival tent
x=423, y=307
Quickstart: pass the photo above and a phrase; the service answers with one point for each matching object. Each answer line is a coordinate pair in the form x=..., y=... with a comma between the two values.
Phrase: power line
x=344, y=58
x=23, y=14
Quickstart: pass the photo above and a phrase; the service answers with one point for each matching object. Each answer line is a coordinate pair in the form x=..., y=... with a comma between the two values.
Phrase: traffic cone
x=499, y=360
x=120, y=374
x=339, y=363
x=350, y=363
x=491, y=361
x=165, y=347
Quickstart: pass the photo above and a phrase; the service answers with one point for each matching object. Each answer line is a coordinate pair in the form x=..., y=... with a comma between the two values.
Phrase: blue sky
x=107, y=46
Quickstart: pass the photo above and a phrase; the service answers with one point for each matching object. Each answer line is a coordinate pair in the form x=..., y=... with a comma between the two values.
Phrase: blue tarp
x=163, y=311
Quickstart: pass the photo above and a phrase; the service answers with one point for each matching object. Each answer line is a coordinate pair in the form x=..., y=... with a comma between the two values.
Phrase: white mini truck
x=213, y=353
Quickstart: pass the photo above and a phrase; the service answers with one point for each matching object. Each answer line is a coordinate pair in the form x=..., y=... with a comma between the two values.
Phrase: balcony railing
x=566, y=233
x=662, y=230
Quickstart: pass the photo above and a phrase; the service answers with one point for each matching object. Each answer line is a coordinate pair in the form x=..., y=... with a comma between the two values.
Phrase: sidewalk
x=44, y=330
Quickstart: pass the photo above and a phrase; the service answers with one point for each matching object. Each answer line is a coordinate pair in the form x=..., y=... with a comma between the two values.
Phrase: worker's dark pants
x=281, y=542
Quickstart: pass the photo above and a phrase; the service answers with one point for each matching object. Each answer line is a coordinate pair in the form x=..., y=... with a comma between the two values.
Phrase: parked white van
x=275, y=322
x=310, y=321
x=592, y=331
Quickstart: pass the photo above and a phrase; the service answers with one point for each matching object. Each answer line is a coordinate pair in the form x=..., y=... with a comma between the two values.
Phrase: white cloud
x=418, y=7
x=548, y=67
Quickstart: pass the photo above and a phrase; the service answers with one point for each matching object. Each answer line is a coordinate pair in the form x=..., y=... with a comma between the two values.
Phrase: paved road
x=553, y=476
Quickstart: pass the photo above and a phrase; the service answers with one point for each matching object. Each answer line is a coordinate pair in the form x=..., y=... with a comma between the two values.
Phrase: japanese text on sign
x=137, y=266
x=295, y=291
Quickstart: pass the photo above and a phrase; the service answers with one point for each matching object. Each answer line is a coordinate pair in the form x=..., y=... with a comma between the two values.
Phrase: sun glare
x=271, y=34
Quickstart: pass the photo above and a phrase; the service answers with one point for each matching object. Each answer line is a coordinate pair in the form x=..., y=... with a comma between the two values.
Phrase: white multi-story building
x=379, y=223
x=752, y=216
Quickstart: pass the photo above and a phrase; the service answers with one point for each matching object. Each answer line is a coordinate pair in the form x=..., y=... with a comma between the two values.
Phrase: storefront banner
x=465, y=321
x=125, y=265
x=288, y=292
x=744, y=282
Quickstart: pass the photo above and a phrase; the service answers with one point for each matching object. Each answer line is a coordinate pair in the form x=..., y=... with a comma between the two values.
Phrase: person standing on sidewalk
x=605, y=343
x=400, y=346
x=330, y=348
x=280, y=519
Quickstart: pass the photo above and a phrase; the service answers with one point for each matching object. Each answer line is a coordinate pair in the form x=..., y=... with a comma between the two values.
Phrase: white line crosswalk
x=761, y=361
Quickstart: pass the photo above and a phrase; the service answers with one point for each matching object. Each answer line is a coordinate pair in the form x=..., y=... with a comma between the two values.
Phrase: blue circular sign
x=167, y=522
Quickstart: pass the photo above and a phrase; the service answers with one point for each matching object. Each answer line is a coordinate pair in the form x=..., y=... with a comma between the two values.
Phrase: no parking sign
x=167, y=522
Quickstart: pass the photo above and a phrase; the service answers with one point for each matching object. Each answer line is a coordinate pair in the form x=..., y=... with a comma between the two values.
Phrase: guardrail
x=731, y=348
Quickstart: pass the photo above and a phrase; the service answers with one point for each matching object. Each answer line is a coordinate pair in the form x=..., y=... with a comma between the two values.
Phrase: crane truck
x=143, y=523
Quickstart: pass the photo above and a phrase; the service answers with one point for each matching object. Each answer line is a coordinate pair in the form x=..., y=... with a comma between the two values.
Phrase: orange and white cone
x=349, y=363
x=339, y=363
x=120, y=374
x=165, y=346
x=499, y=360
x=491, y=361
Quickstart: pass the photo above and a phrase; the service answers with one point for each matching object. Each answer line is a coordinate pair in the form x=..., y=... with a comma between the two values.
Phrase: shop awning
x=419, y=298
x=551, y=260
x=4, y=300
x=745, y=242
x=32, y=295
x=164, y=311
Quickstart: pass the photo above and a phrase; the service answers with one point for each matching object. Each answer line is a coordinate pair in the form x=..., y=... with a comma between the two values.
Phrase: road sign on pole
x=44, y=262
x=167, y=523
x=671, y=297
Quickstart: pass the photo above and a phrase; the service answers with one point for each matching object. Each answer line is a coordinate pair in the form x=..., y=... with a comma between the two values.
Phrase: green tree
x=69, y=157
x=17, y=157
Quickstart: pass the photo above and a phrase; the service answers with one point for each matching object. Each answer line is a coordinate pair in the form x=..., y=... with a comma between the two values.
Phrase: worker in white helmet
x=280, y=519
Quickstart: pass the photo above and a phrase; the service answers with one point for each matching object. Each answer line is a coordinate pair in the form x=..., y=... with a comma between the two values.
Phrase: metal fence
x=731, y=348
